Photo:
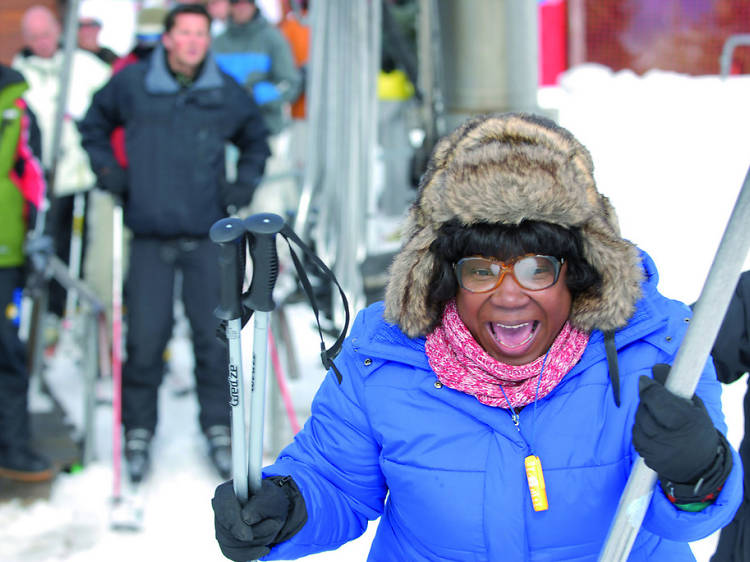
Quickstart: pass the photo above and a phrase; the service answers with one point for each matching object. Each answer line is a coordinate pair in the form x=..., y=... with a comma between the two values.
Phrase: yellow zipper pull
x=535, y=478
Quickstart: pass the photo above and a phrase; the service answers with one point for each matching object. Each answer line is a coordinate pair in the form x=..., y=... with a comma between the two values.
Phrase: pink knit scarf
x=462, y=364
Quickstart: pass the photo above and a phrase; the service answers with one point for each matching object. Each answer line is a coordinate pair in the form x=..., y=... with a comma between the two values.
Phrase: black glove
x=675, y=436
x=235, y=195
x=113, y=179
x=274, y=514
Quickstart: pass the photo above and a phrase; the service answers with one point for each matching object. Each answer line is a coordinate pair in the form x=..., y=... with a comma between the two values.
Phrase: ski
x=127, y=510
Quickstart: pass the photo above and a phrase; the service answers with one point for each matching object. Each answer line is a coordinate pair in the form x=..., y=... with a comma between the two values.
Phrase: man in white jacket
x=41, y=63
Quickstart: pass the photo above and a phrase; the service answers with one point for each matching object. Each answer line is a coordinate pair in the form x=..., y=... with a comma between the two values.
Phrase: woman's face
x=515, y=325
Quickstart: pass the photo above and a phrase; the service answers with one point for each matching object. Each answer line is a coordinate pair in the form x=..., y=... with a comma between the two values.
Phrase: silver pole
x=69, y=45
x=91, y=359
x=258, y=397
x=229, y=234
x=237, y=402
x=685, y=373
x=262, y=229
x=315, y=109
x=732, y=42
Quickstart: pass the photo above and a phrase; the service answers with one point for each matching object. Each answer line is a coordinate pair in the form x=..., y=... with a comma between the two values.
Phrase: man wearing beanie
x=493, y=406
x=260, y=58
x=178, y=111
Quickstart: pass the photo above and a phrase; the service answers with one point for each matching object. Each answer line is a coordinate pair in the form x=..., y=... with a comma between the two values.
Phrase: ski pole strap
x=326, y=355
x=612, y=363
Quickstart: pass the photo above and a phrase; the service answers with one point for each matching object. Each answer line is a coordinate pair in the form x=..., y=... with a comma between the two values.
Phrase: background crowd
x=173, y=173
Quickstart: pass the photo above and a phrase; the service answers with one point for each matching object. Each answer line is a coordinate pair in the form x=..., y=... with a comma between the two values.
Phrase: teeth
x=498, y=327
x=514, y=326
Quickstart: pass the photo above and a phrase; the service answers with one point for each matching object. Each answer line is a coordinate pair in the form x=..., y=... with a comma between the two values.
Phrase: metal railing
x=727, y=51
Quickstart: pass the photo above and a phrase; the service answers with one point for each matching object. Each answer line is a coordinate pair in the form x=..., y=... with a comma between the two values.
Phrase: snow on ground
x=669, y=151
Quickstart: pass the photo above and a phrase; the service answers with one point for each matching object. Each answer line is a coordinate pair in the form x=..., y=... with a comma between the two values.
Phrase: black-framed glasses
x=532, y=272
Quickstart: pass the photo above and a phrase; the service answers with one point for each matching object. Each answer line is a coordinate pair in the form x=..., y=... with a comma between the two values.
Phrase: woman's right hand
x=272, y=515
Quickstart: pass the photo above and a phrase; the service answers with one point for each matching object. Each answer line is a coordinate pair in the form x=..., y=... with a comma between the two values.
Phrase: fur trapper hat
x=507, y=168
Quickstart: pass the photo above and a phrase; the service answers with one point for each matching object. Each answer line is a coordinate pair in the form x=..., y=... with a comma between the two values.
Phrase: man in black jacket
x=178, y=111
x=731, y=355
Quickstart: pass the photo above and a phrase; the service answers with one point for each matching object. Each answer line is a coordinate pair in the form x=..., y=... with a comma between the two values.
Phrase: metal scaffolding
x=342, y=110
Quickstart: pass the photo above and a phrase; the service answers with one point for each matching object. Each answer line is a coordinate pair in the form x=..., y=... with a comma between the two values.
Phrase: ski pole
x=229, y=234
x=262, y=229
x=76, y=255
x=684, y=375
x=116, y=351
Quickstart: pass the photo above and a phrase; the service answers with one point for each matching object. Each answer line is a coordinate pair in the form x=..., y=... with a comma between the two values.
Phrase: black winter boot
x=137, y=444
x=220, y=449
x=24, y=465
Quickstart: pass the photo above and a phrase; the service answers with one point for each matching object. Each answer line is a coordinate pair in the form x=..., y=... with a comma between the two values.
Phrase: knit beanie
x=507, y=168
x=150, y=23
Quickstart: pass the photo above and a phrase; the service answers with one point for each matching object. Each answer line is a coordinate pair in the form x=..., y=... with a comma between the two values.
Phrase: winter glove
x=274, y=514
x=235, y=195
x=114, y=179
x=678, y=440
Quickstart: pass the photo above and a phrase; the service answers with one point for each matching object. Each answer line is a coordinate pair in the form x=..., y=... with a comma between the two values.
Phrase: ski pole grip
x=262, y=229
x=229, y=234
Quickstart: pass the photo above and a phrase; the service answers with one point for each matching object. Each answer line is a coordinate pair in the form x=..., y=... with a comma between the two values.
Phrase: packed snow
x=669, y=151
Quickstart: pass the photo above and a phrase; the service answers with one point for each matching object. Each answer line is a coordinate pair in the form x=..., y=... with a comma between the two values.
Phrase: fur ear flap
x=619, y=264
x=406, y=296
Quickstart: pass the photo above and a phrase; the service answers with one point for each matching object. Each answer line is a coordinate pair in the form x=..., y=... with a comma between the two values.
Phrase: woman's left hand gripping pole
x=230, y=235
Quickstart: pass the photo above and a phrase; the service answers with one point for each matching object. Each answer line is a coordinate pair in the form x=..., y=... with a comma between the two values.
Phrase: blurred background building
x=683, y=36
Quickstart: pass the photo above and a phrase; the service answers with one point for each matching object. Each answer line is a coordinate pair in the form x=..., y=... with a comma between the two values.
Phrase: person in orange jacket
x=295, y=28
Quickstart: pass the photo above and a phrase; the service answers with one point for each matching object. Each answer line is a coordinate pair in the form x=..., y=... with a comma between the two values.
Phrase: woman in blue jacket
x=479, y=412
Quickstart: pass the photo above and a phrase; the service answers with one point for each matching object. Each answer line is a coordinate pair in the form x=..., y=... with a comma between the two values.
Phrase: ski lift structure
x=472, y=58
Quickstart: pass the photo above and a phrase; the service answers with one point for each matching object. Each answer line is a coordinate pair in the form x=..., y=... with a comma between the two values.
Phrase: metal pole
x=69, y=44
x=725, y=60
x=117, y=229
x=91, y=358
x=40, y=296
x=229, y=234
x=262, y=229
x=315, y=112
x=285, y=336
x=685, y=373
x=76, y=254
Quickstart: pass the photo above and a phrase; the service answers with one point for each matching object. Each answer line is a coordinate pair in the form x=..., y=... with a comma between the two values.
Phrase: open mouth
x=513, y=336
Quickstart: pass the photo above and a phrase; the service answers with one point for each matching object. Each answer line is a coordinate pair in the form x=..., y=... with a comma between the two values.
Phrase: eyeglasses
x=532, y=272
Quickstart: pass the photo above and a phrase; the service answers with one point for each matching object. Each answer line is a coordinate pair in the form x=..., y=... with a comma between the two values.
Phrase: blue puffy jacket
x=446, y=473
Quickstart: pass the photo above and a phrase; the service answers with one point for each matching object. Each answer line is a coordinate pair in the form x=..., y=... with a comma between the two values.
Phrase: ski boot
x=220, y=449
x=137, y=444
